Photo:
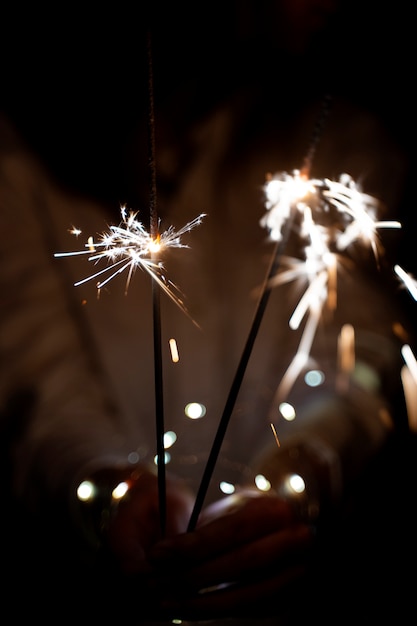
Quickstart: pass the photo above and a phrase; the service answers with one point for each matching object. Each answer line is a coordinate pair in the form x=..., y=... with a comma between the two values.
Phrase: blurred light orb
x=169, y=438
x=287, y=411
x=120, y=490
x=262, y=483
x=366, y=376
x=133, y=457
x=314, y=378
x=85, y=491
x=296, y=484
x=195, y=410
x=226, y=487
x=167, y=458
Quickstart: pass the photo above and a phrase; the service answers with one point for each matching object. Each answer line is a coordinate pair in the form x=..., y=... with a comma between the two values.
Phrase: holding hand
x=135, y=524
x=245, y=550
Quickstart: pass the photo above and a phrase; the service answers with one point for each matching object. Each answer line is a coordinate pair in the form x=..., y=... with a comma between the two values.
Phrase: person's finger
x=253, y=559
x=252, y=519
x=136, y=526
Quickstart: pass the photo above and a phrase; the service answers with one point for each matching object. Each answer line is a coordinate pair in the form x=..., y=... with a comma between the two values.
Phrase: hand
x=245, y=552
x=136, y=526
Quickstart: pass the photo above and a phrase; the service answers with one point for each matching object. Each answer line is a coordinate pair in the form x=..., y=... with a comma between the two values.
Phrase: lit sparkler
x=332, y=217
x=126, y=247
x=129, y=245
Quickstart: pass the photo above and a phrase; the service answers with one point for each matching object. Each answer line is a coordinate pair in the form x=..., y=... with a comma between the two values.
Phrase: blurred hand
x=244, y=554
x=136, y=527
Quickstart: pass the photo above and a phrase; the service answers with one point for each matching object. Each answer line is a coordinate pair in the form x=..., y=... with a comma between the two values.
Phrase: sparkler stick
x=156, y=307
x=281, y=242
x=128, y=246
x=238, y=378
x=316, y=134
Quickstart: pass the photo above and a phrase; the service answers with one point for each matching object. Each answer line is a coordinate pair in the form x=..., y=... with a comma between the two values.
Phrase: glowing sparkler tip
x=329, y=218
x=129, y=246
x=354, y=209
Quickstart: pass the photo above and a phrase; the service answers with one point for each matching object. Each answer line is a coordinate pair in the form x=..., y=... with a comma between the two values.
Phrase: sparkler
x=125, y=248
x=332, y=217
x=283, y=231
x=129, y=246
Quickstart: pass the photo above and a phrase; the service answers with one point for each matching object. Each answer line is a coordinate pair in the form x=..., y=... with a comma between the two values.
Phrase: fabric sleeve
x=45, y=350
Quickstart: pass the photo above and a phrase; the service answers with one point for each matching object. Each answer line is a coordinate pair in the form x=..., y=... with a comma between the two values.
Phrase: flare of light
x=347, y=348
x=128, y=246
x=175, y=357
x=133, y=457
x=120, y=490
x=408, y=280
x=167, y=458
x=410, y=394
x=347, y=196
x=332, y=217
x=274, y=430
x=302, y=356
x=226, y=487
x=346, y=356
x=409, y=381
x=314, y=378
x=262, y=483
x=85, y=491
x=287, y=411
x=410, y=360
x=195, y=410
x=295, y=483
x=170, y=437
x=282, y=191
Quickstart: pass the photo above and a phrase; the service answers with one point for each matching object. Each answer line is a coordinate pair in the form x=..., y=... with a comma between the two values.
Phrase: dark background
x=75, y=80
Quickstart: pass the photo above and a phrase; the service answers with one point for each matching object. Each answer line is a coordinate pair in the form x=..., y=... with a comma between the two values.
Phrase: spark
x=174, y=350
x=128, y=246
x=355, y=212
x=347, y=197
x=346, y=356
x=274, y=430
x=410, y=360
x=409, y=381
x=408, y=280
x=332, y=217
